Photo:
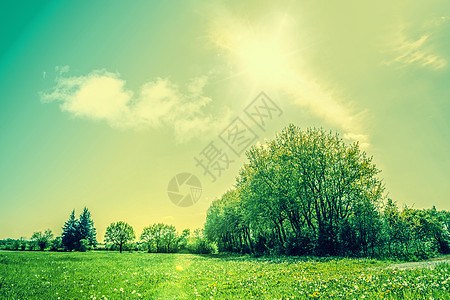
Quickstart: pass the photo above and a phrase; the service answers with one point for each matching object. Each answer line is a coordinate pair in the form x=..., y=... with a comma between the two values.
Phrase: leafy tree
x=435, y=224
x=70, y=236
x=151, y=237
x=199, y=244
x=170, y=238
x=15, y=245
x=227, y=225
x=303, y=191
x=184, y=238
x=160, y=238
x=56, y=244
x=22, y=244
x=119, y=234
x=86, y=229
x=42, y=240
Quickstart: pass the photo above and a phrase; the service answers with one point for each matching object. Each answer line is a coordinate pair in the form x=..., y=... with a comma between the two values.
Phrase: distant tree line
x=309, y=193
x=157, y=238
x=80, y=235
x=77, y=234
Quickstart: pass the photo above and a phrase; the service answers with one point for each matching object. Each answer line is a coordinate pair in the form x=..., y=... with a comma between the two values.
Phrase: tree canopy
x=42, y=240
x=119, y=234
x=302, y=192
x=160, y=238
x=79, y=233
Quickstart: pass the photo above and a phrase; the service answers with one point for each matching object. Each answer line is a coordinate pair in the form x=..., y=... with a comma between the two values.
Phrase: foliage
x=12, y=244
x=56, y=244
x=415, y=234
x=75, y=230
x=86, y=229
x=42, y=240
x=307, y=192
x=161, y=238
x=303, y=192
x=69, y=234
x=184, y=239
x=120, y=234
x=84, y=245
x=199, y=244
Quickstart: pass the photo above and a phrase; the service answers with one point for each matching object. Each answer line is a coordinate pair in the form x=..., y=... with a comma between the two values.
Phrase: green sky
x=103, y=103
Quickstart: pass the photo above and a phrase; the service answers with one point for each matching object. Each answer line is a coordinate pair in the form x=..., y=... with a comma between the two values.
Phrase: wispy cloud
x=435, y=22
x=418, y=50
x=103, y=96
x=326, y=105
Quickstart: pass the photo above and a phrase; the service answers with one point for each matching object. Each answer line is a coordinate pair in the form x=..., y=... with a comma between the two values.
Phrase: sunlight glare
x=263, y=59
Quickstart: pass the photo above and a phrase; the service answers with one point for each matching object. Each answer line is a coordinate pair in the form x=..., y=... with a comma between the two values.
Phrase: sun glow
x=262, y=54
x=263, y=59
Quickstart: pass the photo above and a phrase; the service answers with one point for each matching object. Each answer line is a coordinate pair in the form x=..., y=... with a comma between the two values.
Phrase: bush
x=56, y=244
x=84, y=245
x=299, y=246
x=201, y=246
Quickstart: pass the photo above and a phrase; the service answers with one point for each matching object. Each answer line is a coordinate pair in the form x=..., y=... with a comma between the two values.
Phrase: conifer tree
x=70, y=236
x=86, y=228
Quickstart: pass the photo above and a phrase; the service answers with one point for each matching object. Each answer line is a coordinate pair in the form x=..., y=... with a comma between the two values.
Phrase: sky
x=103, y=103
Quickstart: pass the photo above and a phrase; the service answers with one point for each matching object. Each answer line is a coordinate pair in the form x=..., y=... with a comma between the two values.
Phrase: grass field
x=109, y=275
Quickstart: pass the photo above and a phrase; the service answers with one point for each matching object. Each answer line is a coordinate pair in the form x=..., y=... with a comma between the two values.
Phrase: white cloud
x=361, y=138
x=326, y=105
x=414, y=51
x=157, y=103
x=103, y=96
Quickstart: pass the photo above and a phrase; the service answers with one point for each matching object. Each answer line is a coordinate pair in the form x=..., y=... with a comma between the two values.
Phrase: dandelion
x=179, y=268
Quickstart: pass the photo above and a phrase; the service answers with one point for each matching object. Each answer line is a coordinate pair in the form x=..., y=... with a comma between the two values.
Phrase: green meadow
x=137, y=275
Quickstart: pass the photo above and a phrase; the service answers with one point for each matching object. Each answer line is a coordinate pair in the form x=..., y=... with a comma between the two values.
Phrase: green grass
x=101, y=275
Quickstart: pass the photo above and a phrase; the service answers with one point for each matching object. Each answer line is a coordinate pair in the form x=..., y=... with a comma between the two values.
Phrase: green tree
x=160, y=238
x=151, y=237
x=56, y=244
x=70, y=235
x=170, y=238
x=86, y=229
x=227, y=224
x=199, y=244
x=119, y=234
x=296, y=194
x=22, y=243
x=42, y=240
x=184, y=238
